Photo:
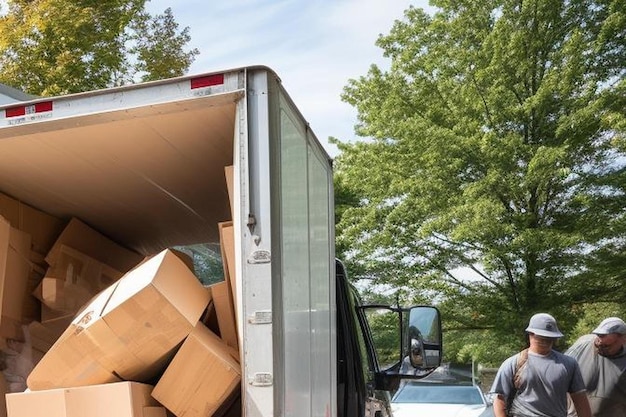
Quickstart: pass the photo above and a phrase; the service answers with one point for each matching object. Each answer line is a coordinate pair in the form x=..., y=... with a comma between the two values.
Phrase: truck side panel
x=294, y=223
x=306, y=275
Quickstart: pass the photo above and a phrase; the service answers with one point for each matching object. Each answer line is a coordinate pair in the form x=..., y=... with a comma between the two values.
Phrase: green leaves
x=159, y=47
x=54, y=47
x=494, y=144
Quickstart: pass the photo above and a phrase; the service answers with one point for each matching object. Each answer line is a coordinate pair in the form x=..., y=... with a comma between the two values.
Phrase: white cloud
x=314, y=46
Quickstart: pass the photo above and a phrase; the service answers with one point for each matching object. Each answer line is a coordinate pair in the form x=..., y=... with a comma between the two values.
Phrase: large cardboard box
x=202, y=377
x=43, y=227
x=14, y=279
x=92, y=243
x=122, y=399
x=131, y=330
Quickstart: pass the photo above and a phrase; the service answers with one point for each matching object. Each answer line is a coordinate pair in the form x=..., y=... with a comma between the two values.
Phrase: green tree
x=53, y=47
x=494, y=165
x=160, y=47
x=592, y=315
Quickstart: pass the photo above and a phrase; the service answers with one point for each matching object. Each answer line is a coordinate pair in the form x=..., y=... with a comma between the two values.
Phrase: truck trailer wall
x=291, y=200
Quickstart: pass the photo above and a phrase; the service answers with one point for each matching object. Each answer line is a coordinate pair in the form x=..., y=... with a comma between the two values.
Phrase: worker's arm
x=581, y=403
x=499, y=406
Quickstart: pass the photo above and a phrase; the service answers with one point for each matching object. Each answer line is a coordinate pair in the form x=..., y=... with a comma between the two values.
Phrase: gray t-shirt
x=545, y=382
x=605, y=378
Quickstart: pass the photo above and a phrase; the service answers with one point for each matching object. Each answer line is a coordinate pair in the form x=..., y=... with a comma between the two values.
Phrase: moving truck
x=166, y=164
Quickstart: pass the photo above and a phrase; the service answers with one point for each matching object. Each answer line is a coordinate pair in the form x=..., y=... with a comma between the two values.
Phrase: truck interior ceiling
x=131, y=174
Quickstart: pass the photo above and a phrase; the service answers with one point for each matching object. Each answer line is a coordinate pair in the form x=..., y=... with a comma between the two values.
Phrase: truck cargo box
x=150, y=166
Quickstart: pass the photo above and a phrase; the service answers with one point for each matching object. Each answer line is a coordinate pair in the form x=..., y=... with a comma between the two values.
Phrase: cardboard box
x=80, y=269
x=50, y=315
x=230, y=184
x=185, y=257
x=32, y=306
x=122, y=399
x=81, y=237
x=227, y=246
x=14, y=279
x=74, y=280
x=129, y=331
x=224, y=310
x=58, y=324
x=42, y=227
x=43, y=336
x=201, y=378
x=61, y=295
x=227, y=249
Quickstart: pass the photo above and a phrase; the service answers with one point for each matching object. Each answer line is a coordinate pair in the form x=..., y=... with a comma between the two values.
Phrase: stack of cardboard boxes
x=92, y=328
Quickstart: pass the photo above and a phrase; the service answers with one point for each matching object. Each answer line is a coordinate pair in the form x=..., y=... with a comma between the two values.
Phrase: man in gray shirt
x=602, y=360
x=545, y=377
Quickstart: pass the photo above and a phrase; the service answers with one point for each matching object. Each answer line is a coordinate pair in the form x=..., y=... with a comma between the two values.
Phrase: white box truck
x=144, y=164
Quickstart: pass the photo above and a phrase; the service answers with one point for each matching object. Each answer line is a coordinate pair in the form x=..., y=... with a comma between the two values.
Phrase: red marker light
x=208, y=81
x=41, y=107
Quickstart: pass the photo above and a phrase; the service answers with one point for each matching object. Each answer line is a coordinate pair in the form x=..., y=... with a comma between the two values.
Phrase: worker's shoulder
x=581, y=345
x=584, y=340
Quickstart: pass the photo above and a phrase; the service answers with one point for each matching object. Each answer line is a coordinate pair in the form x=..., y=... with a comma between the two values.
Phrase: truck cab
x=373, y=343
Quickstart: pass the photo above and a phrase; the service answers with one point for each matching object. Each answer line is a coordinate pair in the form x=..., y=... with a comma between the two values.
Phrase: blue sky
x=315, y=46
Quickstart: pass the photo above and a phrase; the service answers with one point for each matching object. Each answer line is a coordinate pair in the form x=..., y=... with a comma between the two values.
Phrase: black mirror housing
x=406, y=341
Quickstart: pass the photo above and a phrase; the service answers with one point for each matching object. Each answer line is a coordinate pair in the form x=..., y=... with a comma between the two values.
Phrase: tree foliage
x=53, y=47
x=495, y=164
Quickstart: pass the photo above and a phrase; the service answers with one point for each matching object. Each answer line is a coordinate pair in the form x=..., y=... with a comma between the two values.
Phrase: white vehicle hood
x=437, y=410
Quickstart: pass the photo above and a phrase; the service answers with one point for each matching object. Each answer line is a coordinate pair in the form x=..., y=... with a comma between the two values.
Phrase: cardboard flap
x=92, y=243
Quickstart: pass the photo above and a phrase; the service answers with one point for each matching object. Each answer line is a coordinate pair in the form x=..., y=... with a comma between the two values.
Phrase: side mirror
x=423, y=337
x=406, y=341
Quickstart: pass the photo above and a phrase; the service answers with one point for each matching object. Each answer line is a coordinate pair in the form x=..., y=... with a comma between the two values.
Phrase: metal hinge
x=260, y=317
x=262, y=379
